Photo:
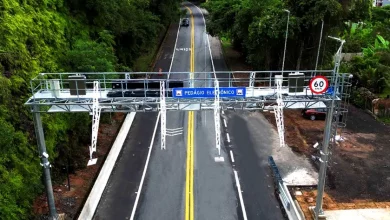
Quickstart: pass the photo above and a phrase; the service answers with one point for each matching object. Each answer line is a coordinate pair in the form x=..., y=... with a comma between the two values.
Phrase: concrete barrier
x=284, y=194
x=101, y=182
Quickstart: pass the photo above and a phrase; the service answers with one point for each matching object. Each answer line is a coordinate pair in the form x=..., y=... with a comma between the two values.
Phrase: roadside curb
x=94, y=196
x=288, y=203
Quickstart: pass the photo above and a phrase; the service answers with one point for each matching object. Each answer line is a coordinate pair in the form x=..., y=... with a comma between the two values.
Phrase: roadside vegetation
x=257, y=30
x=62, y=36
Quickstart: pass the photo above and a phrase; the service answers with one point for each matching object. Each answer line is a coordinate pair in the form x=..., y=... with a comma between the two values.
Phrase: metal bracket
x=45, y=165
x=252, y=80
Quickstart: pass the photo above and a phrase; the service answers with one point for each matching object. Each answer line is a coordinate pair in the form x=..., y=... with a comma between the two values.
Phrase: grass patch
x=385, y=120
x=144, y=62
x=385, y=93
x=226, y=43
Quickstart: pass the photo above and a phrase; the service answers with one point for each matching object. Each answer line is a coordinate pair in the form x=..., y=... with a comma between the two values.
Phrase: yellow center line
x=189, y=191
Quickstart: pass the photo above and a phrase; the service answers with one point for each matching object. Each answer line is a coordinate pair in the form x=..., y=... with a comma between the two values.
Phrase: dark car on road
x=185, y=22
x=313, y=114
x=318, y=113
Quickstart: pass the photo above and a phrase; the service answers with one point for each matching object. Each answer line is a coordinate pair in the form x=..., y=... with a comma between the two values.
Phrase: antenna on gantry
x=95, y=123
x=278, y=109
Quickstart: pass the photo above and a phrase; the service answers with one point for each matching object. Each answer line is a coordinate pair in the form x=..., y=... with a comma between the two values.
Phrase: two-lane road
x=182, y=181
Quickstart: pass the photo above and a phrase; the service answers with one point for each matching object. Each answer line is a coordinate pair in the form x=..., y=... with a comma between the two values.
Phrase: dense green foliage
x=55, y=36
x=257, y=29
x=372, y=69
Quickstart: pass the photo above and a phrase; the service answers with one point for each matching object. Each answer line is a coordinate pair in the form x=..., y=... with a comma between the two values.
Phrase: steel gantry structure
x=98, y=93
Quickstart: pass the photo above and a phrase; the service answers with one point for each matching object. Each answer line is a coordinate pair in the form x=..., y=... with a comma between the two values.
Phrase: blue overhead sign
x=330, y=91
x=238, y=92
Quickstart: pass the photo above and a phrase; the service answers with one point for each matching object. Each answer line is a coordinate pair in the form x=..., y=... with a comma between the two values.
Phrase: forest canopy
x=257, y=28
x=56, y=36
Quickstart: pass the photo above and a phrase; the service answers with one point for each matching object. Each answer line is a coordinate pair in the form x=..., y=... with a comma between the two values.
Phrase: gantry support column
x=44, y=156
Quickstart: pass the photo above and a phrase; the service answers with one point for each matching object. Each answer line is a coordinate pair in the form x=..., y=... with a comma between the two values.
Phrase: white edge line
x=208, y=40
x=231, y=155
x=145, y=168
x=99, y=186
x=224, y=121
x=174, y=50
x=240, y=195
x=228, y=137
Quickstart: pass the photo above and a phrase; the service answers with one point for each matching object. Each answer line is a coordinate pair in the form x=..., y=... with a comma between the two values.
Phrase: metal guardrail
x=284, y=194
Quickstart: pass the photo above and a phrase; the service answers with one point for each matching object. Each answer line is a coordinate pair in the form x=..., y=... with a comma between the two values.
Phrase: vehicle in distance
x=185, y=22
x=313, y=114
x=317, y=113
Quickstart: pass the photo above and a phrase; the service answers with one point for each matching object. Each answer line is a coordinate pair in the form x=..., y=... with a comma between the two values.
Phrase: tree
x=93, y=56
x=54, y=36
x=373, y=69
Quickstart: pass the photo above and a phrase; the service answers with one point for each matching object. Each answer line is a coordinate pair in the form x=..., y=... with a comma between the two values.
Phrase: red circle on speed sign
x=319, y=84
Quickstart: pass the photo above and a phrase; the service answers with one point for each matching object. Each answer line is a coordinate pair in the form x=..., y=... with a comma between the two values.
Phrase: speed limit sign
x=319, y=84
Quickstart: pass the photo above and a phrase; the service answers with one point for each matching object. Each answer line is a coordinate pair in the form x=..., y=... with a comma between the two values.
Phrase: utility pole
x=319, y=44
x=285, y=41
x=44, y=163
x=328, y=127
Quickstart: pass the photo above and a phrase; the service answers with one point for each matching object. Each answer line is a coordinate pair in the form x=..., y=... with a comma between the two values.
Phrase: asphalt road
x=164, y=193
x=252, y=140
x=214, y=189
x=120, y=193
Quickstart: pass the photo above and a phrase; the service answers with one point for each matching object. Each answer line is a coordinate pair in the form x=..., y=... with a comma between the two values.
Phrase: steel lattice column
x=95, y=122
x=163, y=110
x=278, y=109
x=217, y=117
x=330, y=116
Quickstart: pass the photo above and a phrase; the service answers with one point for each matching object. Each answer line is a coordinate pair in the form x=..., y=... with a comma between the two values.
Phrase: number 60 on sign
x=319, y=84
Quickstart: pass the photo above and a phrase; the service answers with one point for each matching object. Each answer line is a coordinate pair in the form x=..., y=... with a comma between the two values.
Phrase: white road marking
x=174, y=50
x=224, y=121
x=145, y=169
x=208, y=40
x=228, y=137
x=240, y=195
x=183, y=49
x=231, y=155
x=174, y=131
x=223, y=112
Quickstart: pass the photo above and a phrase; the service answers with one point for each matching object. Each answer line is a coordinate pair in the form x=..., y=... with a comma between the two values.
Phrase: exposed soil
x=306, y=198
x=360, y=175
x=360, y=168
x=70, y=202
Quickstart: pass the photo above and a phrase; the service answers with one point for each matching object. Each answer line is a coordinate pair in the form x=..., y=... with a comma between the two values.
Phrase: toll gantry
x=98, y=93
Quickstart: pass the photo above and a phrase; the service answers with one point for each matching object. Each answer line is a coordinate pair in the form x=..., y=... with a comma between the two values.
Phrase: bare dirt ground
x=70, y=202
x=360, y=175
x=360, y=168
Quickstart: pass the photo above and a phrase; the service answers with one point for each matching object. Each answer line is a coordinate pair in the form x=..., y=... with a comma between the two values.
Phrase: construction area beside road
x=358, y=180
x=358, y=177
